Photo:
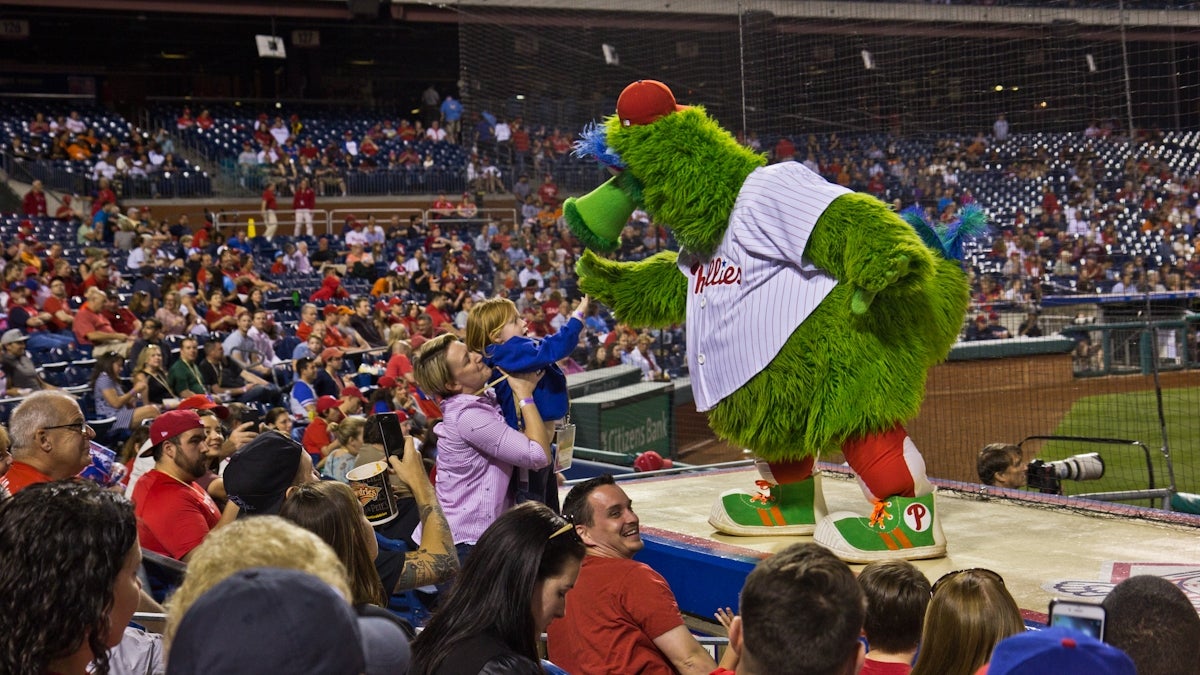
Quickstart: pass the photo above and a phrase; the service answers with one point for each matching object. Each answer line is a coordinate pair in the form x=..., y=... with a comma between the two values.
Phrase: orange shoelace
x=879, y=513
x=764, y=491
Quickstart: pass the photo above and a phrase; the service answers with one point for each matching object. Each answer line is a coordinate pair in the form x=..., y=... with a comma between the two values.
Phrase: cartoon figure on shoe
x=813, y=315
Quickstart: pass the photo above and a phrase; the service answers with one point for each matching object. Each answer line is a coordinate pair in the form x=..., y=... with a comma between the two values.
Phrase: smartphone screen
x=1081, y=616
x=390, y=431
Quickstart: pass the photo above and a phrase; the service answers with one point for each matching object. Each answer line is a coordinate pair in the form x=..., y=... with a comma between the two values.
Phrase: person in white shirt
x=74, y=124
x=530, y=273
x=643, y=358
x=102, y=169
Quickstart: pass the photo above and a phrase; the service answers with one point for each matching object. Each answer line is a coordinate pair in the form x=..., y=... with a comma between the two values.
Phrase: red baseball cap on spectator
x=645, y=101
x=354, y=392
x=169, y=425
x=31, y=271
x=203, y=402
x=386, y=382
x=327, y=403
x=332, y=353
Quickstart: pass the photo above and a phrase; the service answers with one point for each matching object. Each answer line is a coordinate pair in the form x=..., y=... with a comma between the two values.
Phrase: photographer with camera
x=1004, y=465
x=1001, y=465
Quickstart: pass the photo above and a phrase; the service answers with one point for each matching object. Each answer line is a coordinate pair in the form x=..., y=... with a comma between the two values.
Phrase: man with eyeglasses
x=50, y=439
x=174, y=513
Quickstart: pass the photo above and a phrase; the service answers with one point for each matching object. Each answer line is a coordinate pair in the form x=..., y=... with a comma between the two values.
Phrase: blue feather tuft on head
x=593, y=142
x=947, y=241
x=915, y=217
x=971, y=222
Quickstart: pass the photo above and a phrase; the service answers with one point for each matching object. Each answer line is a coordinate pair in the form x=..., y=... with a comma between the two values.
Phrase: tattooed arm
x=436, y=560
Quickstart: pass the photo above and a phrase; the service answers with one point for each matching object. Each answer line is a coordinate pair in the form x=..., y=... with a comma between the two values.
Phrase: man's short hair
x=303, y=362
x=575, y=507
x=431, y=367
x=34, y=413
x=1152, y=620
x=802, y=612
x=897, y=595
x=995, y=458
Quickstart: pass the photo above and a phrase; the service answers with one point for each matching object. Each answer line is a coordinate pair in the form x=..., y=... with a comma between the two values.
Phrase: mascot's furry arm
x=650, y=293
x=861, y=242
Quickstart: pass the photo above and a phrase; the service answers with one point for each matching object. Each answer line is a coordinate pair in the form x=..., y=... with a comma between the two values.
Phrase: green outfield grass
x=1134, y=416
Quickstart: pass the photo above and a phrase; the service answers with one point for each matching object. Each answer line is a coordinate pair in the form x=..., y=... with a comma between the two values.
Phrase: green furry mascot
x=813, y=315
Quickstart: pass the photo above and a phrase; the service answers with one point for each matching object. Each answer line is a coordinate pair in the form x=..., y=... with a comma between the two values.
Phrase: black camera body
x=1047, y=477
x=1042, y=477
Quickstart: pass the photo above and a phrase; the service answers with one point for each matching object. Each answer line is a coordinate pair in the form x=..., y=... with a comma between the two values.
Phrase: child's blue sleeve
x=522, y=354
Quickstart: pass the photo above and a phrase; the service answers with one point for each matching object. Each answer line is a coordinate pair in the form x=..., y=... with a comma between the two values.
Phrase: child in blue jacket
x=496, y=330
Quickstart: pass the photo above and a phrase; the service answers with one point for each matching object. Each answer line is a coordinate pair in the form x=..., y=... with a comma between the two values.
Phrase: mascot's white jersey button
x=700, y=359
x=703, y=302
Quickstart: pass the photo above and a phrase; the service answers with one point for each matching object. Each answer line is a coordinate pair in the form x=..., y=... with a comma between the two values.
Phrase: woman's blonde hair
x=485, y=320
x=348, y=429
x=261, y=541
x=969, y=613
x=430, y=367
x=144, y=357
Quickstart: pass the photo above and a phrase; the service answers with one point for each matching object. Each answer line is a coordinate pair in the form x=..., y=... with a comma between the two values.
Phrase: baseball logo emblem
x=916, y=517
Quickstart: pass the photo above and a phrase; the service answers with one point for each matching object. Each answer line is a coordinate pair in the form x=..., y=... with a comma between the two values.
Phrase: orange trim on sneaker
x=765, y=520
x=888, y=541
x=902, y=538
x=777, y=516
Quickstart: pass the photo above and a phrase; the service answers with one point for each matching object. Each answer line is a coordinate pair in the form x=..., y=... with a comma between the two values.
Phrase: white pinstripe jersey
x=751, y=294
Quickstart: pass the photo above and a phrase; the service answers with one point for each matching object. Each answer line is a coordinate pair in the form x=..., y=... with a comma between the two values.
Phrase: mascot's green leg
x=779, y=507
x=901, y=528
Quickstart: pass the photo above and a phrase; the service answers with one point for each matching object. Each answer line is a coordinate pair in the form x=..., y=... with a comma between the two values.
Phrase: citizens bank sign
x=627, y=434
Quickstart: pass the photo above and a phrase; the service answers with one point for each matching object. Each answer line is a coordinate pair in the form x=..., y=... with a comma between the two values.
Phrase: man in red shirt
x=304, y=201
x=548, y=192
x=622, y=616
x=97, y=277
x=93, y=328
x=34, y=203
x=269, y=204
x=308, y=319
x=317, y=440
x=436, y=309
x=104, y=196
x=58, y=306
x=50, y=440
x=122, y=320
x=174, y=514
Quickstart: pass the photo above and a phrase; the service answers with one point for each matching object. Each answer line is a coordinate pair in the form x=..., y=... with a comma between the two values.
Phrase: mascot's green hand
x=861, y=302
x=596, y=276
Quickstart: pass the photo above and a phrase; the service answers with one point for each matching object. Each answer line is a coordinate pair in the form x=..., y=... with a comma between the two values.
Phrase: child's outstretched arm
x=522, y=354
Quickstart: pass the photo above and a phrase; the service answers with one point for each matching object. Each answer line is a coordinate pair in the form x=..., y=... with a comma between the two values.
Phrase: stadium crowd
x=234, y=369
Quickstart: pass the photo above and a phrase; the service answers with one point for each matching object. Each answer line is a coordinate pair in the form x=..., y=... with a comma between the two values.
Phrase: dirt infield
x=968, y=404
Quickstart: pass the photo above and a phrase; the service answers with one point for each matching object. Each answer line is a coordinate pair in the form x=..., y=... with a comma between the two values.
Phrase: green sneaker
x=791, y=508
x=901, y=528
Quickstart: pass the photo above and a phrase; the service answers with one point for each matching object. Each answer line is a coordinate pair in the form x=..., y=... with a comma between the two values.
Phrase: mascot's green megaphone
x=598, y=217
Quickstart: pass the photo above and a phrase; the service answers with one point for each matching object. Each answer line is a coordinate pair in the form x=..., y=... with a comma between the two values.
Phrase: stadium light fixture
x=999, y=87
x=868, y=60
x=1091, y=62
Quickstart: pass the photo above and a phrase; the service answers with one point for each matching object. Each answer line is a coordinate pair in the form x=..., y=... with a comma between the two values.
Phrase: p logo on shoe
x=917, y=517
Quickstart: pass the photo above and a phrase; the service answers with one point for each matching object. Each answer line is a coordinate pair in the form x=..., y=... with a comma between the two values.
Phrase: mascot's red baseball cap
x=645, y=101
